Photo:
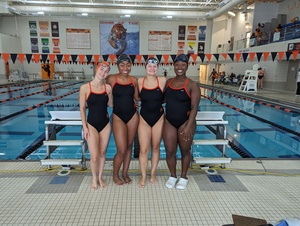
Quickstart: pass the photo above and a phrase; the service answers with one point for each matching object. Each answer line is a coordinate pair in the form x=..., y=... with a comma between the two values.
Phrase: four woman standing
x=182, y=97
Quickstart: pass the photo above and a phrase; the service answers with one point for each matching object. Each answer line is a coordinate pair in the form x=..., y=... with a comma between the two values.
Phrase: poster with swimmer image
x=117, y=37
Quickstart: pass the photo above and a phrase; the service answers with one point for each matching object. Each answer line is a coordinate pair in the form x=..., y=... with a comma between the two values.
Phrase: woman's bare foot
x=153, y=179
x=127, y=179
x=118, y=181
x=94, y=185
x=142, y=182
x=102, y=183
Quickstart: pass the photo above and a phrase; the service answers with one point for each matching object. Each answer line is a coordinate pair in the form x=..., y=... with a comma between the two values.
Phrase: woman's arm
x=136, y=91
x=110, y=97
x=82, y=105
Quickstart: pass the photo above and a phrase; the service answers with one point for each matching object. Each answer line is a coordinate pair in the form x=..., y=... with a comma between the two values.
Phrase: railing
x=288, y=32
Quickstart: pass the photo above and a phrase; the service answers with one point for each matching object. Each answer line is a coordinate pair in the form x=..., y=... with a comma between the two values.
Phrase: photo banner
x=118, y=37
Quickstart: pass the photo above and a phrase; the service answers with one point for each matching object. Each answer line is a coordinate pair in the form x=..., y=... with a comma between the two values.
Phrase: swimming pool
x=256, y=129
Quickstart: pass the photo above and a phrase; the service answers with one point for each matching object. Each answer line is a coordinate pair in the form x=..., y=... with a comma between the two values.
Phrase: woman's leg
x=93, y=146
x=103, y=140
x=170, y=142
x=120, y=134
x=185, y=148
x=144, y=134
x=156, y=135
x=131, y=131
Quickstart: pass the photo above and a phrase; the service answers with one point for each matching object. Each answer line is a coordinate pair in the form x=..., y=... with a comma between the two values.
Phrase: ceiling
x=181, y=10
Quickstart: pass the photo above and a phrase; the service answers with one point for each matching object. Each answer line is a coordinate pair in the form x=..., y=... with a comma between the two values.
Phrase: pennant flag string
x=164, y=59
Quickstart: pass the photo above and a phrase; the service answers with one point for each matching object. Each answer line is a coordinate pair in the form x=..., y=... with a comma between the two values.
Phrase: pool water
x=254, y=130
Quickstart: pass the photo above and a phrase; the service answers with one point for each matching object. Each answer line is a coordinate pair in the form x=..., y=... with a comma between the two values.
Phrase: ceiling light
x=127, y=15
x=170, y=17
x=40, y=13
x=231, y=13
x=84, y=14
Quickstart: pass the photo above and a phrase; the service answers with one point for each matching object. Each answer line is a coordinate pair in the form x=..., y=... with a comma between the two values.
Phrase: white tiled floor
x=28, y=197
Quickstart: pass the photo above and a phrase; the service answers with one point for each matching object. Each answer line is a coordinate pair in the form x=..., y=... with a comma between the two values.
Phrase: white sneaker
x=171, y=182
x=181, y=184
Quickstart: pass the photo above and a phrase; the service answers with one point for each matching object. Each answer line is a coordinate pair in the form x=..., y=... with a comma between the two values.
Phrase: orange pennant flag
x=67, y=57
x=139, y=57
x=252, y=55
x=52, y=57
x=21, y=57
x=194, y=56
x=295, y=54
x=36, y=57
x=5, y=57
x=96, y=58
x=166, y=58
x=81, y=58
x=224, y=55
x=238, y=56
x=208, y=56
x=266, y=55
x=280, y=54
x=112, y=57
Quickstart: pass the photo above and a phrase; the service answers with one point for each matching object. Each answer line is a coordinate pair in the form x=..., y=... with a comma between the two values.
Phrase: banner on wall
x=54, y=29
x=293, y=47
x=160, y=40
x=44, y=28
x=117, y=37
x=180, y=47
x=32, y=28
x=201, y=47
x=192, y=31
x=191, y=47
x=78, y=38
x=45, y=45
x=56, y=45
x=181, y=32
x=34, y=45
x=202, y=33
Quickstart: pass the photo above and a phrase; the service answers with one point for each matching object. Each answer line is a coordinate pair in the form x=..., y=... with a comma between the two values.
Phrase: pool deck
x=32, y=195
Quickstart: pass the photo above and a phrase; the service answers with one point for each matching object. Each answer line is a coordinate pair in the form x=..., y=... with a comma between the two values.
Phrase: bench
x=63, y=118
x=212, y=118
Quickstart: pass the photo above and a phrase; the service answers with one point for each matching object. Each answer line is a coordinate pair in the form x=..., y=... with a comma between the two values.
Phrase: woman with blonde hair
x=151, y=119
x=96, y=95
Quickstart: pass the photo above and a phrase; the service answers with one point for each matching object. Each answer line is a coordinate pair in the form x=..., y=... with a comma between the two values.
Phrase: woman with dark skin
x=182, y=96
x=125, y=118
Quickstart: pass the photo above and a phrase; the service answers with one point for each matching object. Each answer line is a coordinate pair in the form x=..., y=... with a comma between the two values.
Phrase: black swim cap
x=123, y=58
x=182, y=57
